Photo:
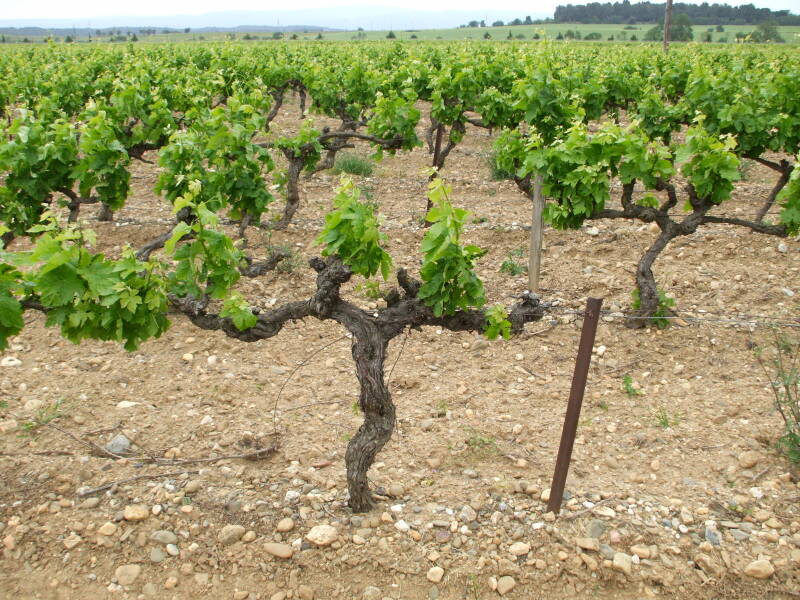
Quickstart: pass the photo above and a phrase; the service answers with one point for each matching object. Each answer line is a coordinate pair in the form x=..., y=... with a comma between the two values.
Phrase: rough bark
x=105, y=214
x=292, y=190
x=785, y=171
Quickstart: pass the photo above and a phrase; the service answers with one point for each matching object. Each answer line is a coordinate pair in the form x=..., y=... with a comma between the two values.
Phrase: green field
x=520, y=32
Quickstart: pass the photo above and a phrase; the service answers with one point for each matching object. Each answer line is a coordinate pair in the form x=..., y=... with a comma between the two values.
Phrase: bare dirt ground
x=675, y=488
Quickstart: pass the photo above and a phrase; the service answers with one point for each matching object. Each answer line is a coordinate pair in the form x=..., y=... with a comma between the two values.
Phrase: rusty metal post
x=588, y=331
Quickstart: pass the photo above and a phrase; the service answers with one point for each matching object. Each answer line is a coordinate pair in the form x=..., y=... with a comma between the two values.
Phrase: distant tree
x=360, y=29
x=515, y=22
x=487, y=36
x=535, y=36
x=391, y=35
x=2, y=39
x=277, y=35
x=134, y=38
x=766, y=32
x=26, y=40
x=510, y=36
x=187, y=29
x=520, y=36
x=498, y=24
x=707, y=37
x=319, y=36
x=634, y=38
x=560, y=36
x=528, y=20
x=473, y=24
x=294, y=36
x=720, y=29
x=593, y=36
x=611, y=38
x=413, y=36
x=483, y=23
x=680, y=30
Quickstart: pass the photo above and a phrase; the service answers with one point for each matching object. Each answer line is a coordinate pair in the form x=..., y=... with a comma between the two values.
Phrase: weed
x=3, y=404
x=481, y=445
x=369, y=289
x=627, y=386
x=665, y=303
x=479, y=220
x=603, y=405
x=441, y=408
x=781, y=365
x=497, y=172
x=353, y=164
x=510, y=264
x=43, y=416
x=291, y=263
x=664, y=418
x=355, y=407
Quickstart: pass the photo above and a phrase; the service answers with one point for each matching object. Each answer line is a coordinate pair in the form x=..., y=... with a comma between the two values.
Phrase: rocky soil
x=199, y=466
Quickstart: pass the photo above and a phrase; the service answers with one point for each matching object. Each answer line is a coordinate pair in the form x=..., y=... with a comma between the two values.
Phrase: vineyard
x=278, y=320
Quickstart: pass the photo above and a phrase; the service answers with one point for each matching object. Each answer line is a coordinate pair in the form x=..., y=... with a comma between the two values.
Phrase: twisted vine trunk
x=292, y=193
x=105, y=214
x=646, y=282
x=369, y=354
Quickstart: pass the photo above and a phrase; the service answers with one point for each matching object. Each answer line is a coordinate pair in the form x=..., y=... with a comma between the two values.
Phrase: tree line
x=648, y=12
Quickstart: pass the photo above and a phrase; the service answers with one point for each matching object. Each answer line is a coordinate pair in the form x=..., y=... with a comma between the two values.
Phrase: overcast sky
x=86, y=9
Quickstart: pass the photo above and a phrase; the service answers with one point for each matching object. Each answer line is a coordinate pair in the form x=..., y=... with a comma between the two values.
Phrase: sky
x=86, y=9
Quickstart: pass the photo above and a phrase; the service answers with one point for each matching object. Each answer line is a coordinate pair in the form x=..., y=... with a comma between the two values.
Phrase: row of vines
x=567, y=124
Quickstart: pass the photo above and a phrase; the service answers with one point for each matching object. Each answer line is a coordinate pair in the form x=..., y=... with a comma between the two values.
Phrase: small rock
x=641, y=550
x=162, y=536
x=607, y=552
x=604, y=511
x=396, y=490
x=749, y=459
x=173, y=550
x=760, y=569
x=622, y=562
x=107, y=529
x=519, y=548
x=322, y=535
x=126, y=404
x=505, y=584
x=135, y=512
x=193, y=486
x=157, y=555
x=72, y=540
x=279, y=550
x=592, y=544
x=241, y=595
x=402, y=526
x=467, y=514
x=595, y=529
x=713, y=537
x=188, y=357
x=230, y=534
x=305, y=593
x=435, y=574
x=285, y=525
x=686, y=516
x=545, y=495
x=371, y=593
x=10, y=361
x=426, y=424
x=127, y=574
x=120, y=445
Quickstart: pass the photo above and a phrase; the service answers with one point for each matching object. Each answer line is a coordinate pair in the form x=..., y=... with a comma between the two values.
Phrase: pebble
x=435, y=574
x=519, y=548
x=10, y=361
x=157, y=555
x=686, y=516
x=748, y=459
x=622, y=562
x=127, y=574
x=72, y=540
x=396, y=490
x=305, y=593
x=760, y=569
x=595, y=529
x=402, y=526
x=505, y=584
x=590, y=543
x=135, y=512
x=173, y=550
x=641, y=550
x=285, y=525
x=230, y=534
x=607, y=552
x=713, y=537
x=604, y=511
x=120, y=445
x=107, y=529
x=162, y=536
x=279, y=550
x=322, y=535
x=371, y=593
